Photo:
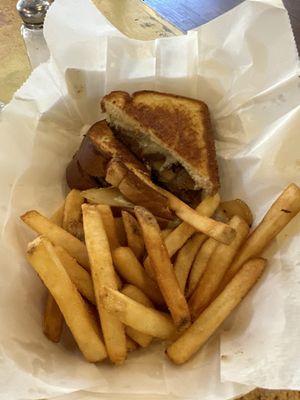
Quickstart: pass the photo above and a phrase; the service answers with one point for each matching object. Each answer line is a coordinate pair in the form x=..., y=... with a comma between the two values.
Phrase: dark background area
x=293, y=7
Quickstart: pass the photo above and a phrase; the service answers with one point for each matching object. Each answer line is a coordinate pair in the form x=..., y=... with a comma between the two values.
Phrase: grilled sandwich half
x=103, y=160
x=170, y=134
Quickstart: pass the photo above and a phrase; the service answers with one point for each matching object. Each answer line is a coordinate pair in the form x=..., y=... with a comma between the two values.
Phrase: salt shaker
x=33, y=13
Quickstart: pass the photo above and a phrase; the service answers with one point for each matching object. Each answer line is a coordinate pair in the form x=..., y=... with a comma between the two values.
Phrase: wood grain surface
x=14, y=69
x=14, y=65
x=188, y=14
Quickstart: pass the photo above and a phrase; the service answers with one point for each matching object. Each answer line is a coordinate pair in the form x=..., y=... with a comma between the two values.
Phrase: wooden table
x=14, y=65
x=137, y=21
x=188, y=14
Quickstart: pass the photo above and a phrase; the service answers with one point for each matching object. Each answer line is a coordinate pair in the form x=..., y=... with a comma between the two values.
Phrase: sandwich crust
x=138, y=188
x=101, y=156
x=106, y=145
x=77, y=178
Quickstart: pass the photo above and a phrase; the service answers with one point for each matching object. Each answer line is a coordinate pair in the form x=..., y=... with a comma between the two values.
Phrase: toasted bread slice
x=88, y=166
x=99, y=146
x=172, y=133
x=77, y=178
x=138, y=188
x=101, y=156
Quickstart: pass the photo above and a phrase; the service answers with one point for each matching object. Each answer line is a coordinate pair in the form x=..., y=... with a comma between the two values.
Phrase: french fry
x=163, y=268
x=185, y=258
x=121, y=231
x=109, y=225
x=149, y=269
x=57, y=236
x=103, y=274
x=110, y=196
x=136, y=294
x=166, y=232
x=134, y=235
x=58, y=215
x=217, y=265
x=111, y=231
x=237, y=207
x=41, y=255
x=92, y=310
x=220, y=215
x=131, y=313
x=282, y=211
x=176, y=239
x=184, y=231
x=130, y=269
x=131, y=345
x=215, y=229
x=200, y=264
x=206, y=324
x=119, y=281
x=147, y=264
x=79, y=276
x=140, y=338
x=72, y=219
x=53, y=320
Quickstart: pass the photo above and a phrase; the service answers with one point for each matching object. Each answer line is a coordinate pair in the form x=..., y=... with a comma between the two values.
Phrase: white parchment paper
x=245, y=66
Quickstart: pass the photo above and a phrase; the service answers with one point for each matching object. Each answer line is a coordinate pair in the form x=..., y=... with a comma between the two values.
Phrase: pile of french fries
x=120, y=282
